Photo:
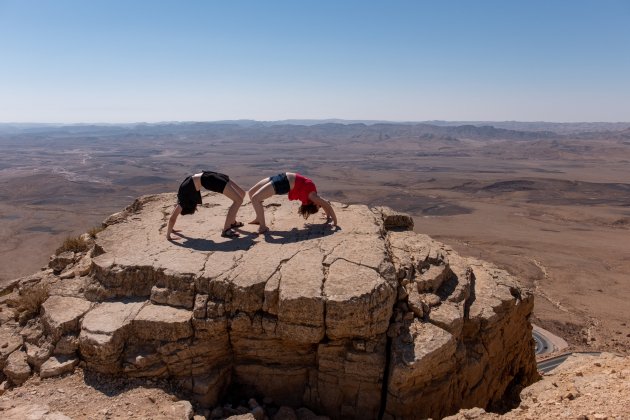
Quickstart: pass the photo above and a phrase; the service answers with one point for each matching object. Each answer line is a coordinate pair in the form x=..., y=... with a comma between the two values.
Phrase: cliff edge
x=369, y=321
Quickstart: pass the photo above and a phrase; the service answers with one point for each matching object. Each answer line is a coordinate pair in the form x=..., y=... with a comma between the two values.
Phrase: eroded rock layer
x=366, y=321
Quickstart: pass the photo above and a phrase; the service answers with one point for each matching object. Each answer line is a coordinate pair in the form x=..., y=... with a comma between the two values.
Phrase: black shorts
x=187, y=196
x=280, y=183
x=214, y=181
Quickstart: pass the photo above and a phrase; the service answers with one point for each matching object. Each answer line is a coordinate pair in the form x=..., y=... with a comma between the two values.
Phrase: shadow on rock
x=242, y=243
x=310, y=231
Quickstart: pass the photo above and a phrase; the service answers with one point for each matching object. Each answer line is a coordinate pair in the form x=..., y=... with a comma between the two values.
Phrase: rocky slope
x=595, y=387
x=367, y=321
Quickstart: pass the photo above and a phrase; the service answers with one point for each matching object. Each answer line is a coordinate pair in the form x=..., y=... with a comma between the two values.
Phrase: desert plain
x=550, y=203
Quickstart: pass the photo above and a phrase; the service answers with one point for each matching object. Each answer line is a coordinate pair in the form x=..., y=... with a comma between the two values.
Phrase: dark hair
x=306, y=210
x=188, y=209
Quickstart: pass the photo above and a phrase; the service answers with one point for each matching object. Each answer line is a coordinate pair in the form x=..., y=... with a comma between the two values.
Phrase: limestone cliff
x=367, y=321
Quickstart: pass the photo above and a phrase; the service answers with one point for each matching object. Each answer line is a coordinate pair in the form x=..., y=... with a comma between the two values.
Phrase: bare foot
x=254, y=222
x=174, y=232
x=263, y=229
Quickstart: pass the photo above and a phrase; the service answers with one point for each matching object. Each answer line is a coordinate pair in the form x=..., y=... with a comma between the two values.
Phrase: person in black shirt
x=189, y=196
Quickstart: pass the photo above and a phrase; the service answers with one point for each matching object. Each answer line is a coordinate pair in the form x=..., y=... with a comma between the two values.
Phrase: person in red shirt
x=298, y=187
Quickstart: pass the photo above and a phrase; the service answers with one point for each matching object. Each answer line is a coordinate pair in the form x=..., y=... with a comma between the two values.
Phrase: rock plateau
x=372, y=320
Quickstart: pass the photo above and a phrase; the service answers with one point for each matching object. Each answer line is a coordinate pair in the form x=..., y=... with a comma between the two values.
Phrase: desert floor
x=554, y=212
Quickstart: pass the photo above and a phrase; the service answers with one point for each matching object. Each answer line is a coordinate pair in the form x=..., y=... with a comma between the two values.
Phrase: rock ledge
x=367, y=321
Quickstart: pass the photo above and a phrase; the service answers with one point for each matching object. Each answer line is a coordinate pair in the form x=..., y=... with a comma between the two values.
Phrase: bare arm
x=324, y=205
x=171, y=221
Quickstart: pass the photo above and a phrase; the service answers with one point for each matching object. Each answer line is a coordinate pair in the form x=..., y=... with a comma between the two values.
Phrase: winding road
x=545, y=343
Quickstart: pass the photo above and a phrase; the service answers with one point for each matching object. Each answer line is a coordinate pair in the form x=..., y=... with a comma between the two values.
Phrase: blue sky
x=128, y=61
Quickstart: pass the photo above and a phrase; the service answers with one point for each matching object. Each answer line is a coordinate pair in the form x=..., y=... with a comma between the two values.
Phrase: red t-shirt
x=302, y=188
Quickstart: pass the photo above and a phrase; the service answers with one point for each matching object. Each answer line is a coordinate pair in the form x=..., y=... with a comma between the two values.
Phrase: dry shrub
x=31, y=299
x=76, y=244
x=95, y=230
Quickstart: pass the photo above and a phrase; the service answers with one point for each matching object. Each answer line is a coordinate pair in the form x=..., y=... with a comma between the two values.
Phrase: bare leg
x=233, y=194
x=238, y=188
x=261, y=194
x=253, y=190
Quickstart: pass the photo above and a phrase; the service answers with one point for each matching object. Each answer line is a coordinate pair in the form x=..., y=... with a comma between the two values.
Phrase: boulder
x=181, y=410
x=84, y=266
x=10, y=341
x=57, y=365
x=61, y=314
x=36, y=355
x=104, y=331
x=17, y=368
x=394, y=220
x=33, y=412
x=60, y=261
x=33, y=331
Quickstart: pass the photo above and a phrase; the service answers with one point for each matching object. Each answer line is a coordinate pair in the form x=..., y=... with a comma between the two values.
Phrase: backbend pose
x=298, y=187
x=189, y=196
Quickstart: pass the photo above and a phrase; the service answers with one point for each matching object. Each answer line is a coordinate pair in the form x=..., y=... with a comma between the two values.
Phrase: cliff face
x=369, y=320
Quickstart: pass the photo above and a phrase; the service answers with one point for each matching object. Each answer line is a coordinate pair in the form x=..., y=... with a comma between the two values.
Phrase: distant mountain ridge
x=556, y=127
x=442, y=129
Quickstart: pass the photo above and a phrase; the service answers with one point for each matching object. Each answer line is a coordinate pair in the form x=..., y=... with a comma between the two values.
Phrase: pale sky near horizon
x=130, y=61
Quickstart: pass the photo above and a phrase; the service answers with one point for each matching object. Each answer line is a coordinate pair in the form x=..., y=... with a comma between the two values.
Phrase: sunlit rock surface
x=369, y=320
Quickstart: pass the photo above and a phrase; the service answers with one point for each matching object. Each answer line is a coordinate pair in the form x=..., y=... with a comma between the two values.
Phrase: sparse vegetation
x=95, y=230
x=76, y=244
x=31, y=300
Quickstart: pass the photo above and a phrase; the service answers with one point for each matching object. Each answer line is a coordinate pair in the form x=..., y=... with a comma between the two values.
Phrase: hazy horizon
x=71, y=61
x=311, y=120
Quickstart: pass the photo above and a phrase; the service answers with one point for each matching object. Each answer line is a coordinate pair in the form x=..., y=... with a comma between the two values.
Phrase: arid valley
x=552, y=208
x=549, y=203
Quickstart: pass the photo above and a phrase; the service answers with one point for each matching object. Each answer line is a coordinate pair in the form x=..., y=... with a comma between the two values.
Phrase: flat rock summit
x=368, y=321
